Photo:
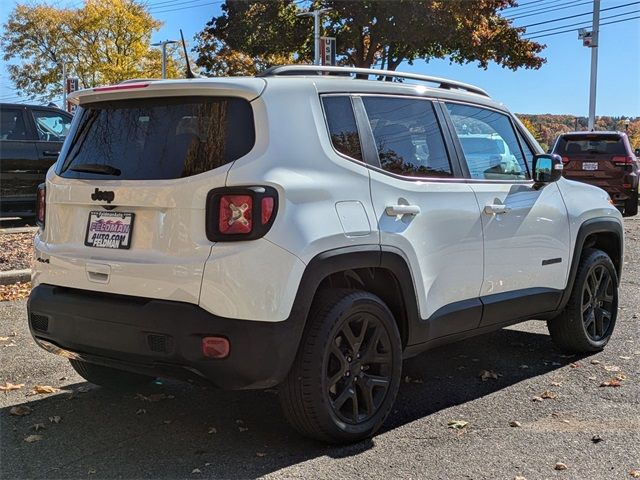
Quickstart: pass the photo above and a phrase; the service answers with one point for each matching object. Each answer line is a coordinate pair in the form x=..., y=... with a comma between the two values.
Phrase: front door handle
x=496, y=209
x=400, y=210
x=51, y=153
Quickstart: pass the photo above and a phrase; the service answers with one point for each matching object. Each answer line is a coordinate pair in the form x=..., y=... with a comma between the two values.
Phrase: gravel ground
x=188, y=431
x=16, y=251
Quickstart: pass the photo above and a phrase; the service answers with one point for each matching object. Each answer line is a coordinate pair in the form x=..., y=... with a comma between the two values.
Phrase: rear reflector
x=565, y=159
x=126, y=86
x=41, y=205
x=215, y=347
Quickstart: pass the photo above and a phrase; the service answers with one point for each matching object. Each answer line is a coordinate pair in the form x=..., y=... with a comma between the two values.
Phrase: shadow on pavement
x=103, y=434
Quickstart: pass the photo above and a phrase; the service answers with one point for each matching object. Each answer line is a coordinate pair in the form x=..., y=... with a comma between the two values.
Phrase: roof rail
x=319, y=70
x=137, y=80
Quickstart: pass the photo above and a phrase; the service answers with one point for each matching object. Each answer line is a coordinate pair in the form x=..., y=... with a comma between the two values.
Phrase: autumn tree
x=368, y=33
x=100, y=43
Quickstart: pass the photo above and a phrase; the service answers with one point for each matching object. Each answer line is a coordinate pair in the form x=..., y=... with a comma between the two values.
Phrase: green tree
x=100, y=43
x=368, y=32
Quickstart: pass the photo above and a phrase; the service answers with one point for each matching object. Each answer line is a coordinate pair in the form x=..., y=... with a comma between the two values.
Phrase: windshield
x=157, y=138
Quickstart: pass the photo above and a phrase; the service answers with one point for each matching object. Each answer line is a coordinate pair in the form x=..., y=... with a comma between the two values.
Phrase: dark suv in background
x=603, y=159
x=31, y=137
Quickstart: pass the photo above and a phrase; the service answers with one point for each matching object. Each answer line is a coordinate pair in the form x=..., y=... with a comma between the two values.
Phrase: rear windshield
x=609, y=145
x=157, y=138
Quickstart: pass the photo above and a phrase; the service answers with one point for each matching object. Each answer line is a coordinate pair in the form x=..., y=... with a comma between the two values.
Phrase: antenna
x=190, y=74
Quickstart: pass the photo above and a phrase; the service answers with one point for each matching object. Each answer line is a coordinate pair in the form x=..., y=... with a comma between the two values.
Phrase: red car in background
x=603, y=159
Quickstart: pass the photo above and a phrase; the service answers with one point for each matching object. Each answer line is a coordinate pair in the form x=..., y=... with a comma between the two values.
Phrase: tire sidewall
x=344, y=309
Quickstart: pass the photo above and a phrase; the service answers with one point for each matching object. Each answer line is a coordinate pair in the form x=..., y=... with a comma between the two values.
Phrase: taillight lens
x=41, y=205
x=622, y=161
x=565, y=160
x=245, y=213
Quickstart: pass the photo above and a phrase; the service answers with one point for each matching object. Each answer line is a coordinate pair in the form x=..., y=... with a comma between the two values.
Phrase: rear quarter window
x=157, y=138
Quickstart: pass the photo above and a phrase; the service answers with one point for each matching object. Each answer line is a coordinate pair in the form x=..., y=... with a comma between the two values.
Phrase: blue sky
x=560, y=86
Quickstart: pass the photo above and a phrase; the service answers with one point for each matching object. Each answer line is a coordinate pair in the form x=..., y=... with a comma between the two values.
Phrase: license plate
x=589, y=165
x=109, y=230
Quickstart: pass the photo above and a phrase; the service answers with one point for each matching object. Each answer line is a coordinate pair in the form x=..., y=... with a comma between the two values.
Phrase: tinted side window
x=342, y=126
x=157, y=138
x=12, y=126
x=489, y=143
x=51, y=126
x=528, y=153
x=408, y=137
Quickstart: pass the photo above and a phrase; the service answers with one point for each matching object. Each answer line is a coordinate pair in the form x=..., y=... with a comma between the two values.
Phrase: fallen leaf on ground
x=457, y=424
x=242, y=429
x=15, y=291
x=38, y=426
x=515, y=423
x=167, y=422
x=84, y=389
x=556, y=384
x=487, y=374
x=20, y=411
x=634, y=473
x=620, y=376
x=596, y=439
x=55, y=419
x=42, y=389
x=141, y=411
x=260, y=454
x=625, y=358
x=8, y=386
x=155, y=397
x=537, y=399
x=212, y=430
x=32, y=438
x=196, y=470
x=574, y=365
x=548, y=395
x=560, y=466
x=595, y=362
x=519, y=477
x=524, y=367
x=612, y=368
x=614, y=382
x=4, y=339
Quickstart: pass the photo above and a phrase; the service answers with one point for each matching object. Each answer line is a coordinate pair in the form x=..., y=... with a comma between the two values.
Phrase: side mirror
x=547, y=168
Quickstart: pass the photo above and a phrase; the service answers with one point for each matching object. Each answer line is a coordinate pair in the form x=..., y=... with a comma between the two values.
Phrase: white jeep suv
x=308, y=229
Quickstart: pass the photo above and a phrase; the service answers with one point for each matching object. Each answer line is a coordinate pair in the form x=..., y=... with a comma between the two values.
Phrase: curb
x=15, y=276
x=19, y=230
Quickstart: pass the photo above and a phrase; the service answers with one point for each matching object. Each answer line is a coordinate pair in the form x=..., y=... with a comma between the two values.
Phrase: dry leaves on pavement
x=487, y=374
x=20, y=410
x=32, y=438
x=43, y=389
x=8, y=386
x=614, y=382
x=560, y=466
x=16, y=251
x=457, y=424
x=16, y=291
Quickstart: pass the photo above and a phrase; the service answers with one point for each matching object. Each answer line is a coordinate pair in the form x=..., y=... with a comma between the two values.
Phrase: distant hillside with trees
x=545, y=128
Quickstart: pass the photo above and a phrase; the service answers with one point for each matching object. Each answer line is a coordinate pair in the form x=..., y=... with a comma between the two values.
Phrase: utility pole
x=164, y=44
x=594, y=64
x=64, y=86
x=316, y=14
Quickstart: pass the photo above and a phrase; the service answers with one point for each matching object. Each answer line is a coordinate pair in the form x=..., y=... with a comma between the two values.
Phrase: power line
x=578, y=15
x=539, y=9
x=170, y=4
x=573, y=29
x=585, y=22
x=525, y=5
x=187, y=8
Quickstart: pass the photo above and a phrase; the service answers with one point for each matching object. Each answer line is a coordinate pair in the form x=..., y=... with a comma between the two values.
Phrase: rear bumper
x=160, y=338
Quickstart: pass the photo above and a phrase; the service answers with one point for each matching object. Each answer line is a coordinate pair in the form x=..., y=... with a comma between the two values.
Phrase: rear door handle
x=51, y=153
x=400, y=210
x=493, y=209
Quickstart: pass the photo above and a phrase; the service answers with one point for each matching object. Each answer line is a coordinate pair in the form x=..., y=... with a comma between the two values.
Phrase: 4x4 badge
x=106, y=195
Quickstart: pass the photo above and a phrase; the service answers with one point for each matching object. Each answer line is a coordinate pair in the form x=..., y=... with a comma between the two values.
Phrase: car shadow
x=171, y=429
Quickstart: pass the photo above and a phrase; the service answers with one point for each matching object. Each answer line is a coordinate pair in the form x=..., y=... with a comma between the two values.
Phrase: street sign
x=327, y=51
x=71, y=86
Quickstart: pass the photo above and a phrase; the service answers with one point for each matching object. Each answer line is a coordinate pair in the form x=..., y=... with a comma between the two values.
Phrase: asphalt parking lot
x=177, y=430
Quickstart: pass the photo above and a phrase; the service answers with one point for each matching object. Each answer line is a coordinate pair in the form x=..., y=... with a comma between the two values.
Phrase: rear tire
x=588, y=320
x=111, y=378
x=631, y=205
x=347, y=372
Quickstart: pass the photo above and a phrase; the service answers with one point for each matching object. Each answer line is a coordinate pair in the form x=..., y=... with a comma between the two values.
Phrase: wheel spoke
x=346, y=394
x=367, y=394
x=355, y=409
x=598, y=324
x=377, y=381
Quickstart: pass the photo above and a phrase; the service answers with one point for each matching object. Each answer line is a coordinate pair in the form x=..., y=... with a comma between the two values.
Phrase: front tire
x=588, y=320
x=111, y=378
x=347, y=372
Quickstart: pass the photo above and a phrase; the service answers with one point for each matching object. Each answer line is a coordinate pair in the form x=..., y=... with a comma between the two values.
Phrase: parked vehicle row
x=30, y=140
x=309, y=230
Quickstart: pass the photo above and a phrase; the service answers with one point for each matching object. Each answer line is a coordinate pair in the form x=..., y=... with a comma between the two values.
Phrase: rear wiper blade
x=98, y=168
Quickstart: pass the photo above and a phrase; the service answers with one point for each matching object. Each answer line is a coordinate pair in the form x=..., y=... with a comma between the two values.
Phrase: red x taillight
x=41, y=205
